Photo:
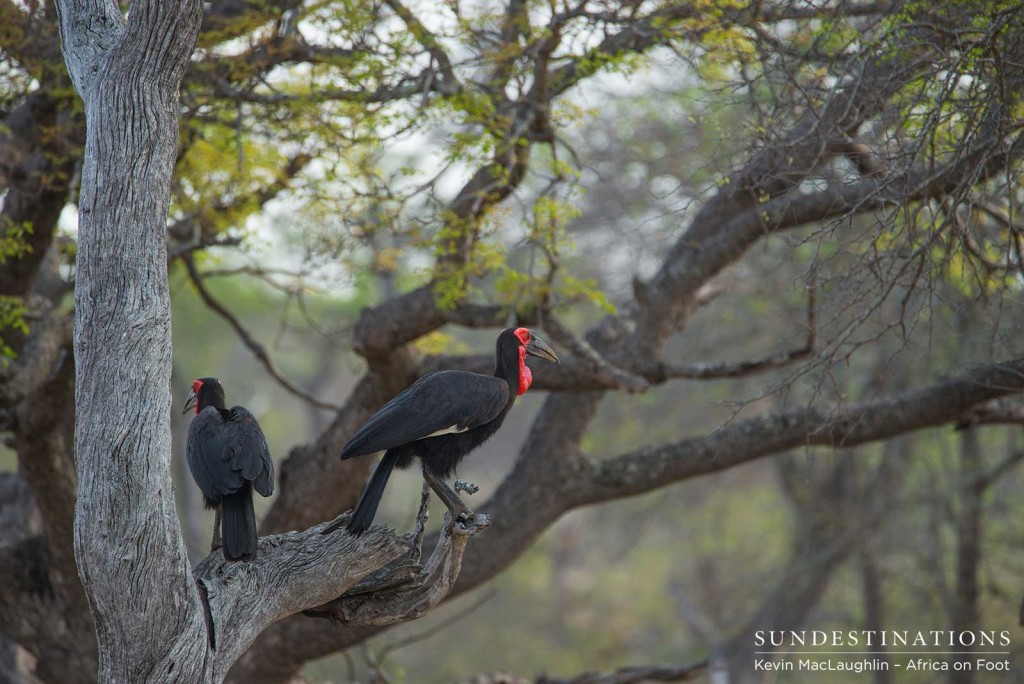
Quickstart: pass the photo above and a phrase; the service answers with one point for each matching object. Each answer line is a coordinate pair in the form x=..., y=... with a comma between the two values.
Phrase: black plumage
x=440, y=418
x=228, y=457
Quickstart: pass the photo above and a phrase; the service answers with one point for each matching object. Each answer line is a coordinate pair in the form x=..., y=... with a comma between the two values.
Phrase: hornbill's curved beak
x=539, y=348
x=190, y=401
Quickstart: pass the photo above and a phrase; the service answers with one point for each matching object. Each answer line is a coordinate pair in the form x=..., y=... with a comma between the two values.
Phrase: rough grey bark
x=128, y=544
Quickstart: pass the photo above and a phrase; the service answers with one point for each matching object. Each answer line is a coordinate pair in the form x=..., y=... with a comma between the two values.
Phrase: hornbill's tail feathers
x=238, y=524
x=366, y=509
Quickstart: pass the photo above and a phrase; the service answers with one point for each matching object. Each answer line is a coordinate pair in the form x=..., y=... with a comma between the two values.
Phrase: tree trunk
x=964, y=611
x=128, y=544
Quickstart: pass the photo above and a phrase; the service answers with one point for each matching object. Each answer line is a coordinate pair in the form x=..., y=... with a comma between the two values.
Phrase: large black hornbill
x=440, y=418
x=228, y=456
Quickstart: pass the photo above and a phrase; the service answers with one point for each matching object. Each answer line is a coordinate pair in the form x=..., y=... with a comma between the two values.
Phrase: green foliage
x=12, y=318
x=13, y=241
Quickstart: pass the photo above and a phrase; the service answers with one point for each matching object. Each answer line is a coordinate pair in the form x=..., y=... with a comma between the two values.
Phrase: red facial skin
x=196, y=384
x=525, y=375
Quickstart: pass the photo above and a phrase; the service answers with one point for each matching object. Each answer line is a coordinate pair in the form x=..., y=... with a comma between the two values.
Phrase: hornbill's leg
x=216, y=542
x=416, y=554
x=450, y=499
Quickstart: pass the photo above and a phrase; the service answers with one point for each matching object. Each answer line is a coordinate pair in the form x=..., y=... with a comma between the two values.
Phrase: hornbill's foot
x=467, y=526
x=460, y=511
x=468, y=487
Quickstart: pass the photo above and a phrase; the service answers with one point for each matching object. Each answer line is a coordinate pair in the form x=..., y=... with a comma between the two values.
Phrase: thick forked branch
x=407, y=590
x=292, y=572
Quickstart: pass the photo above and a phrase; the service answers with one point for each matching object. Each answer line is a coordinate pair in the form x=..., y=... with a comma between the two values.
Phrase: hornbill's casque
x=440, y=418
x=228, y=456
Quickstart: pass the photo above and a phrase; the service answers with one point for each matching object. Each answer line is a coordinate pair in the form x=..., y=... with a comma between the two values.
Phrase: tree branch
x=406, y=591
x=427, y=39
x=634, y=675
x=401, y=91
x=602, y=369
x=712, y=240
x=89, y=29
x=597, y=373
x=40, y=356
x=999, y=412
x=709, y=371
x=292, y=572
x=740, y=442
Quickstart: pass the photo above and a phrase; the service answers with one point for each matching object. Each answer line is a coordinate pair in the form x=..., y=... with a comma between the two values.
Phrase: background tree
x=828, y=192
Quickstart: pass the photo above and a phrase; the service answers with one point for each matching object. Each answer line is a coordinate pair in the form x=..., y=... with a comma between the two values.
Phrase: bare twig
x=442, y=625
x=986, y=479
x=257, y=349
x=634, y=675
x=202, y=243
x=715, y=371
x=427, y=39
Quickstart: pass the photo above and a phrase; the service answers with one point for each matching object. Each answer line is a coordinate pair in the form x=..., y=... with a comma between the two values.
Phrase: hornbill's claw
x=449, y=498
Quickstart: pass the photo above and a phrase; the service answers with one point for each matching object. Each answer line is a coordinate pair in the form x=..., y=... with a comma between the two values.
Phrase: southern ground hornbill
x=228, y=457
x=439, y=419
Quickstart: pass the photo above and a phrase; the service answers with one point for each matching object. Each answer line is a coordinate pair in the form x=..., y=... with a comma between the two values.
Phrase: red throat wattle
x=196, y=386
x=525, y=375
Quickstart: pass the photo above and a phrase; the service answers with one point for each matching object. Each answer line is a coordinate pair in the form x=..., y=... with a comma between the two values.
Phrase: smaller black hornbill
x=228, y=456
x=439, y=419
